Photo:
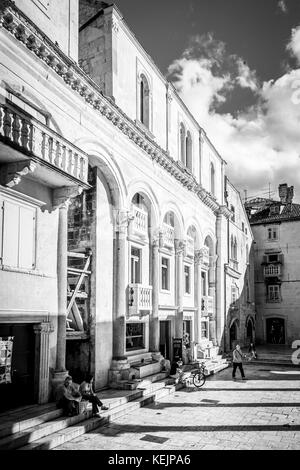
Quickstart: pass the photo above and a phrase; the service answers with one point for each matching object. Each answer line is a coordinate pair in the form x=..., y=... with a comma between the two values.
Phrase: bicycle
x=198, y=375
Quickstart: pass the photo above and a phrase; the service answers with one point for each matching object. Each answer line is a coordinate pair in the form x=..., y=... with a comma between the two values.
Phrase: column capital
x=180, y=247
x=62, y=196
x=122, y=219
x=197, y=257
x=12, y=173
x=44, y=327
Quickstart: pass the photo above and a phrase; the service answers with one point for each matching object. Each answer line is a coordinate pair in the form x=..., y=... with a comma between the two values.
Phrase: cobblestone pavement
x=262, y=412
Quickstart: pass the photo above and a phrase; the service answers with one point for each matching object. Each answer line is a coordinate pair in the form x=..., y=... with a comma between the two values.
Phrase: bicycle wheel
x=199, y=379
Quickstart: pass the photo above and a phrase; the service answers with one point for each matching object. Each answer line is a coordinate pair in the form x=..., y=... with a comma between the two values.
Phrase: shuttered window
x=18, y=234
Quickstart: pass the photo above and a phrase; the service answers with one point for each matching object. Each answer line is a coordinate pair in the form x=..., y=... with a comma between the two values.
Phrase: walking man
x=238, y=362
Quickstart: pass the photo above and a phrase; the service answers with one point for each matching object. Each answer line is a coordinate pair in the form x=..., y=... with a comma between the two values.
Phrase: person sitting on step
x=87, y=391
x=68, y=397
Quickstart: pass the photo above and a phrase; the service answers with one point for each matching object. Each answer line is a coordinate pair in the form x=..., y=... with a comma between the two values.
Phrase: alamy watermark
x=296, y=345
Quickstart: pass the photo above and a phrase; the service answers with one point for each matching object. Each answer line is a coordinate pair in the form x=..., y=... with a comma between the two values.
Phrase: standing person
x=68, y=397
x=252, y=351
x=238, y=362
x=87, y=391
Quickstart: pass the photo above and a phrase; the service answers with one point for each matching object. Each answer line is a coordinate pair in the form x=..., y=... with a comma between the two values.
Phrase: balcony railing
x=272, y=270
x=234, y=264
x=139, y=298
x=168, y=235
x=34, y=138
x=140, y=221
x=189, y=246
x=207, y=305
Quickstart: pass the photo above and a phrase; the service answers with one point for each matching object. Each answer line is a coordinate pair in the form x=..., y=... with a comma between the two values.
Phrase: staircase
x=274, y=355
x=42, y=427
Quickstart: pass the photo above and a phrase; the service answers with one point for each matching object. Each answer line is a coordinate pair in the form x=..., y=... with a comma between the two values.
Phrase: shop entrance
x=21, y=389
x=275, y=331
x=164, y=339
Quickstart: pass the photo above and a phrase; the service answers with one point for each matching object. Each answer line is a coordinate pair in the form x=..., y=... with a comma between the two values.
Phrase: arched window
x=188, y=150
x=212, y=179
x=144, y=101
x=182, y=145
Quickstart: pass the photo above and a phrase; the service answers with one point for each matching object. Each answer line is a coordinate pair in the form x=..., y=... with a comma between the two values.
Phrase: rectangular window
x=18, y=234
x=272, y=233
x=232, y=208
x=165, y=274
x=135, y=336
x=274, y=293
x=234, y=294
x=273, y=258
x=187, y=279
x=204, y=329
x=204, y=283
x=243, y=226
x=136, y=256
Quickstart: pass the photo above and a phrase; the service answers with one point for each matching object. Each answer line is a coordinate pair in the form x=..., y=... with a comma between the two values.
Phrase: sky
x=236, y=65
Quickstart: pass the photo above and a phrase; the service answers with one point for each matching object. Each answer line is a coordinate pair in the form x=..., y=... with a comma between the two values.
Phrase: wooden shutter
x=27, y=237
x=10, y=244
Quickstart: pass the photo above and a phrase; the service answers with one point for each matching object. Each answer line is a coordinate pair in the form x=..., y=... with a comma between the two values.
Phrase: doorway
x=164, y=339
x=233, y=335
x=249, y=332
x=21, y=389
x=275, y=330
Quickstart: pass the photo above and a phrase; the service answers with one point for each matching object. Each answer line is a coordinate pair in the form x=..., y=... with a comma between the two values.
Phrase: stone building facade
x=149, y=219
x=275, y=225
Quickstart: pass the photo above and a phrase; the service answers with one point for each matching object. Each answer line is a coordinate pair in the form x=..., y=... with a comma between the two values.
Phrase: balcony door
x=136, y=256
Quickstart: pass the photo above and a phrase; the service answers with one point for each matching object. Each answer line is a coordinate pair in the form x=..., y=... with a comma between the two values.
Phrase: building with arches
x=150, y=213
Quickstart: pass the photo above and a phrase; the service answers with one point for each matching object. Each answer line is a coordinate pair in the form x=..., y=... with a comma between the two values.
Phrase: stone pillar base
x=157, y=356
x=119, y=370
x=57, y=380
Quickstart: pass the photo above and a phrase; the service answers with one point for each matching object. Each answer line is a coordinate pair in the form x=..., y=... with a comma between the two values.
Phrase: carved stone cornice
x=11, y=173
x=62, y=196
x=224, y=210
x=23, y=29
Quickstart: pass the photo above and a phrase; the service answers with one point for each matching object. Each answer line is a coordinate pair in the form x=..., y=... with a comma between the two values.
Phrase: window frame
x=133, y=259
x=166, y=269
x=187, y=278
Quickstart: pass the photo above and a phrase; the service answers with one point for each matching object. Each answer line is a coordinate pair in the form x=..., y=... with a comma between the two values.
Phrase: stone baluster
x=16, y=129
x=7, y=124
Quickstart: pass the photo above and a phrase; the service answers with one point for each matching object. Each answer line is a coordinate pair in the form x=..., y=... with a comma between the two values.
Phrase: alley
x=259, y=413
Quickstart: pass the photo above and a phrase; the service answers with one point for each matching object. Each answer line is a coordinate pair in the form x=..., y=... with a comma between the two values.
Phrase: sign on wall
x=177, y=349
x=6, y=347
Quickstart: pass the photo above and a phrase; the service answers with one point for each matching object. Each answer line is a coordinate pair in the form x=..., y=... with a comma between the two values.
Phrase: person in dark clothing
x=87, y=391
x=68, y=397
x=238, y=362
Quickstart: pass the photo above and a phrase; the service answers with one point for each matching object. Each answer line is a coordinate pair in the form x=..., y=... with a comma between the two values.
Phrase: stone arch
x=178, y=219
x=234, y=332
x=140, y=187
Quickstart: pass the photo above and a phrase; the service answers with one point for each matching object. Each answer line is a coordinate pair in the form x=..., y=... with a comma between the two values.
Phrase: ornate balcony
x=139, y=299
x=32, y=139
x=168, y=235
x=189, y=247
x=140, y=222
x=207, y=305
x=272, y=270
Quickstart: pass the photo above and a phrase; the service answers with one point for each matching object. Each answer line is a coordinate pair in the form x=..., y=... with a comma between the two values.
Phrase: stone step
x=28, y=420
x=39, y=431
x=217, y=368
x=67, y=434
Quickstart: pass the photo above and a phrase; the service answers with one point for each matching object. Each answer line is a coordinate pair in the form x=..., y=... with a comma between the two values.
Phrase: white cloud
x=260, y=144
x=294, y=44
x=282, y=6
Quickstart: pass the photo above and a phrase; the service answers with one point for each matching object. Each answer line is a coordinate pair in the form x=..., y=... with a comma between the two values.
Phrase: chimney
x=286, y=194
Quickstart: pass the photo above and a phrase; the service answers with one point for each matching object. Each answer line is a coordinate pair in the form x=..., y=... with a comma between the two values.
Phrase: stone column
x=198, y=295
x=179, y=253
x=62, y=275
x=42, y=332
x=119, y=360
x=154, y=321
x=212, y=293
x=61, y=200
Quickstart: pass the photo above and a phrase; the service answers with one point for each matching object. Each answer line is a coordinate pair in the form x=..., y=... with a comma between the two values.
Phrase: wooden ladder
x=74, y=315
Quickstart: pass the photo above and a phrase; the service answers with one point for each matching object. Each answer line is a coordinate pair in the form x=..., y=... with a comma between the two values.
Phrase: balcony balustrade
x=272, y=270
x=234, y=264
x=35, y=139
x=190, y=246
x=139, y=299
x=207, y=305
x=168, y=235
x=140, y=221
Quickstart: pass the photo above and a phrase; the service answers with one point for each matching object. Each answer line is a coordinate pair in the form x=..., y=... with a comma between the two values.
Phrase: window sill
x=31, y=272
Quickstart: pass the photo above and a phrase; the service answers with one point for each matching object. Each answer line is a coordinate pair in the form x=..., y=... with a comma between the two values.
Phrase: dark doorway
x=275, y=331
x=233, y=335
x=21, y=390
x=164, y=339
x=249, y=331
